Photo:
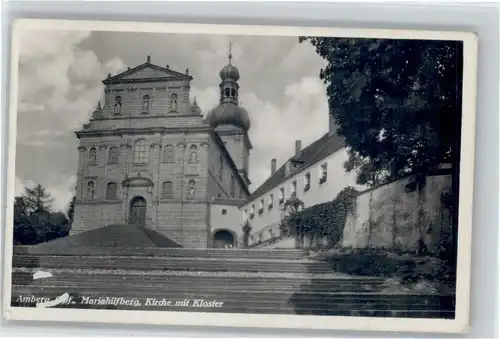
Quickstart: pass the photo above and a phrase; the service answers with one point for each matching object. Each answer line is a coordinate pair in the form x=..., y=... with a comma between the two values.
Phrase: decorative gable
x=147, y=72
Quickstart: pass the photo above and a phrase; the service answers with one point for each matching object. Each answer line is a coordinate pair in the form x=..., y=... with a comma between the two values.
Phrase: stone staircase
x=242, y=281
x=111, y=236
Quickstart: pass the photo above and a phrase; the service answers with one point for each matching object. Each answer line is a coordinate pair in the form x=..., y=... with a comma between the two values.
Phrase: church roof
x=319, y=149
x=147, y=71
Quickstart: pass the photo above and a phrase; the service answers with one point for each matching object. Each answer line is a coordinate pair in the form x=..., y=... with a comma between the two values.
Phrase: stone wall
x=390, y=217
x=184, y=222
x=92, y=216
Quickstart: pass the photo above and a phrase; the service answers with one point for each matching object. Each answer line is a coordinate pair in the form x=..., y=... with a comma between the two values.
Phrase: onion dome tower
x=230, y=121
x=228, y=112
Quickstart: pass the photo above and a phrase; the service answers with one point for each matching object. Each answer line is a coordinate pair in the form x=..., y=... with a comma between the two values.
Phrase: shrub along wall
x=323, y=223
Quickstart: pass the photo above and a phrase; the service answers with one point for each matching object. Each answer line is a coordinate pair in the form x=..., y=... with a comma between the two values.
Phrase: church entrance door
x=138, y=211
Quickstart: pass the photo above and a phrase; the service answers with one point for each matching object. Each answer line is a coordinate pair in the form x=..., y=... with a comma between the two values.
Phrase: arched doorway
x=138, y=211
x=223, y=239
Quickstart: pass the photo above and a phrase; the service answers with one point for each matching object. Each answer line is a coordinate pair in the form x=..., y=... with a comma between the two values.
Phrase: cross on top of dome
x=230, y=72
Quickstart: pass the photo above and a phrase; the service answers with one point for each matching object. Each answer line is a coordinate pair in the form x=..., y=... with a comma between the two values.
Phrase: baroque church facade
x=149, y=158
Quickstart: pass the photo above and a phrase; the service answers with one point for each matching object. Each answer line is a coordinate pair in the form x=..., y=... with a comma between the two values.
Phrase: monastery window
x=261, y=206
x=233, y=186
x=141, y=152
x=113, y=155
x=323, y=173
x=193, y=153
x=224, y=212
x=282, y=195
x=167, y=190
x=233, y=93
x=271, y=201
x=294, y=188
x=221, y=167
x=93, y=155
x=173, y=102
x=245, y=214
x=307, y=182
x=90, y=190
x=227, y=92
x=191, y=189
x=252, y=212
x=117, y=109
x=145, y=104
x=168, y=155
x=111, y=191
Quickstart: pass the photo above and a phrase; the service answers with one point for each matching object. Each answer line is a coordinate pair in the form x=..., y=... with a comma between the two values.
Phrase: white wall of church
x=266, y=222
x=226, y=217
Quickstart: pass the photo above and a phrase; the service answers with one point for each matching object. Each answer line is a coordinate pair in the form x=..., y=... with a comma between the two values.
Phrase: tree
x=38, y=200
x=34, y=221
x=71, y=210
x=396, y=102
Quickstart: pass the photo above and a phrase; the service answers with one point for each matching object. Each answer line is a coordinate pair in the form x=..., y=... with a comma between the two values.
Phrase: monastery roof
x=319, y=149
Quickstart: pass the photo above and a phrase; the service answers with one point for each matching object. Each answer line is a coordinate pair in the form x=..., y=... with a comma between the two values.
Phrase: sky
x=60, y=83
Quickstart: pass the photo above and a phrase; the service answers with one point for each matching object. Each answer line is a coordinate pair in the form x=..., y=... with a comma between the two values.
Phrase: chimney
x=273, y=166
x=298, y=147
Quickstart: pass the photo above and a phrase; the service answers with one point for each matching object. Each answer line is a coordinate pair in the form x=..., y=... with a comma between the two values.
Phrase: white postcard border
x=461, y=321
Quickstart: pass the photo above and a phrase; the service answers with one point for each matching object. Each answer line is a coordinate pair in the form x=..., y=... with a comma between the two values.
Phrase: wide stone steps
x=193, y=283
x=167, y=252
x=167, y=264
x=245, y=281
x=236, y=301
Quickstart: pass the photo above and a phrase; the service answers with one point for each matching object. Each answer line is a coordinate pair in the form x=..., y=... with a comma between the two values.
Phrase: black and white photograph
x=248, y=176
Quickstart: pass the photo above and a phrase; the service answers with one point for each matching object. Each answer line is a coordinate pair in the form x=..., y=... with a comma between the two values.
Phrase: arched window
x=193, y=153
x=111, y=191
x=191, y=189
x=167, y=190
x=113, y=155
x=90, y=190
x=117, y=109
x=145, y=104
x=141, y=151
x=227, y=92
x=173, y=102
x=168, y=155
x=233, y=93
x=93, y=155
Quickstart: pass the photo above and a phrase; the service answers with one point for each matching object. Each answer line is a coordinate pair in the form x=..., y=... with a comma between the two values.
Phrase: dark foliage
x=34, y=221
x=71, y=210
x=407, y=267
x=323, y=220
x=396, y=102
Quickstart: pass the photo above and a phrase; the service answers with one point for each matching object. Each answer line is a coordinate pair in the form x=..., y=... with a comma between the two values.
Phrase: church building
x=149, y=158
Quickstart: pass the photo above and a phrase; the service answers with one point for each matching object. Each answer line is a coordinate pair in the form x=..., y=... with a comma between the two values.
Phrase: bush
x=406, y=267
x=324, y=220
